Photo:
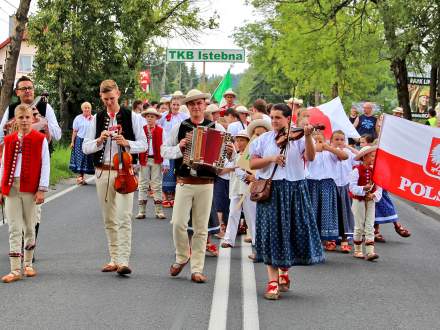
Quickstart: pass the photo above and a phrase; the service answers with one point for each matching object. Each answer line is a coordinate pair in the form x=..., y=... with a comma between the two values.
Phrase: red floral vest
x=365, y=177
x=156, y=135
x=30, y=161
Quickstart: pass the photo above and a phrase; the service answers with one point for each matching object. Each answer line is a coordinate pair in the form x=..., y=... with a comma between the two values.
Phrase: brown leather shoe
x=123, y=270
x=176, y=268
x=198, y=278
x=11, y=277
x=29, y=271
x=109, y=268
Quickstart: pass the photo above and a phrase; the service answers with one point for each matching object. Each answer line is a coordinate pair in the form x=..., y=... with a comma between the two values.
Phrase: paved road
x=400, y=291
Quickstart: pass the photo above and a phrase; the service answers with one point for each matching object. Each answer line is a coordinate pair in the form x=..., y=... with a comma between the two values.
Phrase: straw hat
x=242, y=109
x=229, y=92
x=151, y=111
x=364, y=151
x=294, y=100
x=164, y=100
x=212, y=108
x=195, y=94
x=243, y=133
x=177, y=95
x=398, y=110
x=258, y=123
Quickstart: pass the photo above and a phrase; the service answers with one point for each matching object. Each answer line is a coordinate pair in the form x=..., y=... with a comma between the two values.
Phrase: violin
x=295, y=133
x=125, y=181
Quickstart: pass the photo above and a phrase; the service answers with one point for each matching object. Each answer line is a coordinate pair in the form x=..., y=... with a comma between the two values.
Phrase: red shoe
x=345, y=248
x=284, y=282
x=330, y=246
x=242, y=229
x=272, y=291
x=211, y=250
x=166, y=204
x=172, y=203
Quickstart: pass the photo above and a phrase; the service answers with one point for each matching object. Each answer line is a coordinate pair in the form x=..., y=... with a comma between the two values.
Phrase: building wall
x=25, y=61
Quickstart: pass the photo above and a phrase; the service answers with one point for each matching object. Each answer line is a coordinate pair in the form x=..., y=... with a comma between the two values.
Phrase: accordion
x=206, y=148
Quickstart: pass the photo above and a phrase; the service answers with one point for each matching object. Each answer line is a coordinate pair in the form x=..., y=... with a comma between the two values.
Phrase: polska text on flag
x=333, y=116
x=408, y=160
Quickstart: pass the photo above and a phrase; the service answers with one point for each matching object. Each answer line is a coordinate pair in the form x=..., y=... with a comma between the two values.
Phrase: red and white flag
x=408, y=160
x=333, y=116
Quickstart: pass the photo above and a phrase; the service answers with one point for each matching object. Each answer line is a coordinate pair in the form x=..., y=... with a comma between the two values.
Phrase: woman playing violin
x=286, y=233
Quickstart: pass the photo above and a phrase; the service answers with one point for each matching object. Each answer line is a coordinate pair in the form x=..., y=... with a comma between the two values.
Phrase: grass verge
x=59, y=164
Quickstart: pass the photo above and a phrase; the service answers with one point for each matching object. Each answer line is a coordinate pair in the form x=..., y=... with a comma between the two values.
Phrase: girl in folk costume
x=79, y=162
x=24, y=176
x=150, y=174
x=286, y=231
x=365, y=195
x=322, y=188
x=168, y=120
x=342, y=174
x=241, y=123
x=239, y=194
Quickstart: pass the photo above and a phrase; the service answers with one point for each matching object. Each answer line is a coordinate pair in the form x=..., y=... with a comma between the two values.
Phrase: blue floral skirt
x=345, y=215
x=286, y=231
x=385, y=210
x=324, y=198
x=80, y=162
x=169, y=179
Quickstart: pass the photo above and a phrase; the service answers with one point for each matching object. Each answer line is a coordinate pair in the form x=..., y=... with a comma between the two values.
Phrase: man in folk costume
x=150, y=174
x=24, y=177
x=229, y=97
x=111, y=129
x=25, y=91
x=194, y=191
x=294, y=104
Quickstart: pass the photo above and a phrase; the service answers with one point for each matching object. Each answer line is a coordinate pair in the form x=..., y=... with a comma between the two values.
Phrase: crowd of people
x=321, y=193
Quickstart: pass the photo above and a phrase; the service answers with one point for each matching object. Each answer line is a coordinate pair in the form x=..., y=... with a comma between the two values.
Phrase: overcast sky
x=233, y=13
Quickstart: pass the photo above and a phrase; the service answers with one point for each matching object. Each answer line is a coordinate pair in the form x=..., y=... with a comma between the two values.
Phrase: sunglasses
x=25, y=88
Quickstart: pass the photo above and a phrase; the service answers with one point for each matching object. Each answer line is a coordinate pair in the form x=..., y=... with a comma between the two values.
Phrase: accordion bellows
x=206, y=147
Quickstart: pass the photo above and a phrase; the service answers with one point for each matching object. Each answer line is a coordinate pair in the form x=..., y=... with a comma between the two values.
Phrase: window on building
x=25, y=63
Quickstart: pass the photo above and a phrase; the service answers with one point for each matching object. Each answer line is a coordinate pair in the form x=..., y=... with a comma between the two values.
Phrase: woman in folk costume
x=79, y=162
x=150, y=174
x=342, y=174
x=239, y=194
x=24, y=177
x=365, y=195
x=322, y=189
x=286, y=231
x=167, y=122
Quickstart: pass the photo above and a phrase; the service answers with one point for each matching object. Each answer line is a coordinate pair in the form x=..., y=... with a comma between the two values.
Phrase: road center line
x=249, y=287
x=219, y=306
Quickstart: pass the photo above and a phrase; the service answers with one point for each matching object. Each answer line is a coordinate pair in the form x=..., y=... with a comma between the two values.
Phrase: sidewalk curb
x=430, y=211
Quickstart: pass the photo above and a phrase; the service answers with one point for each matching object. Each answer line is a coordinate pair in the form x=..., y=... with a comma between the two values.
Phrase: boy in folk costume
x=365, y=195
x=239, y=194
x=24, y=174
x=151, y=165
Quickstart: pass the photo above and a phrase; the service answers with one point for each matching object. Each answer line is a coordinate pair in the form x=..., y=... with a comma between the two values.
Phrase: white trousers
x=364, y=216
x=150, y=175
x=249, y=209
x=117, y=213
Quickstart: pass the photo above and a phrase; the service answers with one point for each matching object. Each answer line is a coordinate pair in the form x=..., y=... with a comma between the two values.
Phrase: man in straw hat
x=150, y=174
x=111, y=129
x=229, y=97
x=398, y=112
x=294, y=104
x=365, y=194
x=241, y=124
x=194, y=191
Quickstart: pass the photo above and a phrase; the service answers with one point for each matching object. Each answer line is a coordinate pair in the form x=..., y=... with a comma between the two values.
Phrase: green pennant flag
x=224, y=85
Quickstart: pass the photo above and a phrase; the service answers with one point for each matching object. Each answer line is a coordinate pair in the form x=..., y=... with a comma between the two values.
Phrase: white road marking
x=219, y=306
x=249, y=287
x=55, y=196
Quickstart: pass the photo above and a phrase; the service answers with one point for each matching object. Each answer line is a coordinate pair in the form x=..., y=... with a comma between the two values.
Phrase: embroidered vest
x=182, y=169
x=365, y=177
x=123, y=118
x=31, y=148
x=156, y=136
